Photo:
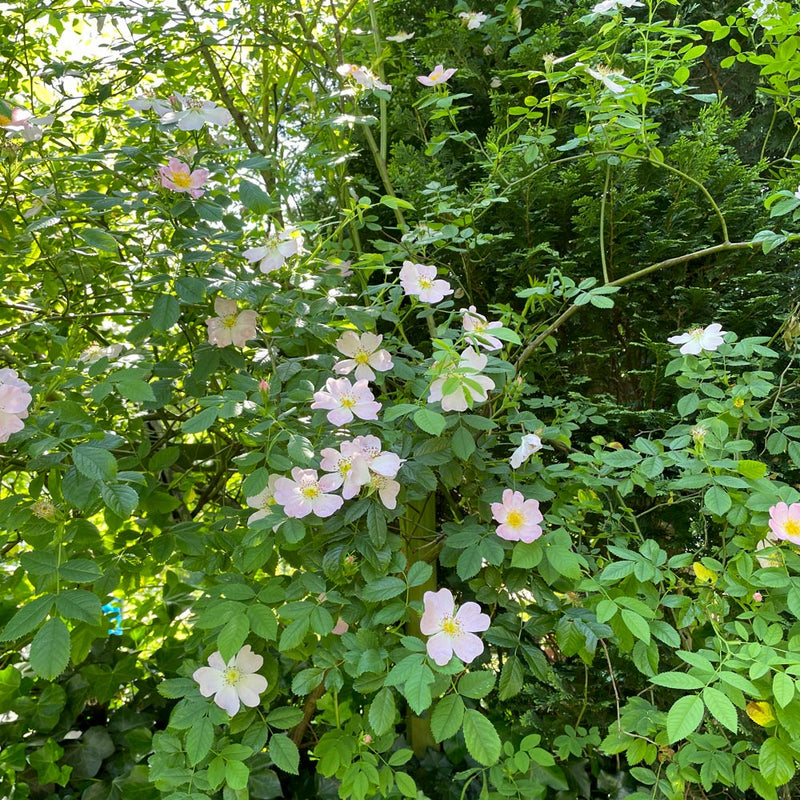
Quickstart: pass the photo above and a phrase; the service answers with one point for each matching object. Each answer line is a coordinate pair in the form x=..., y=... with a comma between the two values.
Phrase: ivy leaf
x=481, y=738
x=50, y=649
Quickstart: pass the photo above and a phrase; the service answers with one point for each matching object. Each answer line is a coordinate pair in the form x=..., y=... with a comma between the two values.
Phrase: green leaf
x=50, y=649
x=285, y=717
x=463, y=443
x=166, y=312
x=284, y=753
x=511, y=678
x=430, y=421
x=418, y=573
x=721, y=708
x=293, y=634
x=94, y=462
x=80, y=604
x=382, y=711
x=447, y=717
x=751, y=469
x=80, y=570
x=254, y=198
x=677, y=680
x=237, y=775
x=100, y=240
x=684, y=717
x=481, y=738
x=120, y=499
x=636, y=624
x=231, y=638
x=476, y=685
x=783, y=689
x=417, y=689
x=202, y=421
x=383, y=589
x=199, y=740
x=776, y=761
x=263, y=621
x=139, y=391
x=717, y=501
x=406, y=785
x=30, y=616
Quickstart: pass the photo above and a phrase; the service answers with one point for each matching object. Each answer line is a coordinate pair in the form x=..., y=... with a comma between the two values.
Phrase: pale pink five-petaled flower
x=529, y=445
x=15, y=397
x=363, y=355
x=177, y=177
x=699, y=339
x=280, y=246
x=475, y=326
x=262, y=501
x=347, y=466
x=343, y=400
x=450, y=630
x=363, y=77
x=190, y=114
x=473, y=19
x=461, y=385
x=519, y=518
x=231, y=326
x=784, y=522
x=420, y=280
x=306, y=494
x=232, y=683
x=438, y=76
x=383, y=467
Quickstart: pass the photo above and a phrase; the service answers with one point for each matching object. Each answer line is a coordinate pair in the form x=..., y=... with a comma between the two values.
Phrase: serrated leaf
x=636, y=624
x=776, y=761
x=231, y=638
x=285, y=717
x=29, y=617
x=173, y=688
x=783, y=689
x=80, y=570
x=721, y=708
x=383, y=589
x=120, y=499
x=476, y=685
x=50, y=649
x=481, y=738
x=417, y=689
x=284, y=753
x=511, y=678
x=463, y=444
x=382, y=711
x=254, y=198
x=717, y=501
x=430, y=421
x=677, y=680
x=81, y=605
x=94, y=462
x=100, y=240
x=418, y=573
x=199, y=740
x=202, y=421
x=684, y=717
x=166, y=312
x=447, y=717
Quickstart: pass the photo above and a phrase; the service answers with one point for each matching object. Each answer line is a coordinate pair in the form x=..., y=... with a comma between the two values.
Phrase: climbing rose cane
x=232, y=683
x=450, y=630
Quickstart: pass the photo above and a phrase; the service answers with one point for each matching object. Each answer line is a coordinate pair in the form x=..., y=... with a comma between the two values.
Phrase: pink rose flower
x=784, y=522
x=15, y=397
x=306, y=494
x=438, y=76
x=231, y=326
x=363, y=77
x=364, y=355
x=519, y=518
x=475, y=326
x=177, y=177
x=191, y=115
x=232, y=683
x=461, y=385
x=263, y=501
x=343, y=400
x=699, y=339
x=450, y=630
x=386, y=487
x=348, y=467
x=420, y=280
x=281, y=246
